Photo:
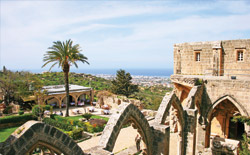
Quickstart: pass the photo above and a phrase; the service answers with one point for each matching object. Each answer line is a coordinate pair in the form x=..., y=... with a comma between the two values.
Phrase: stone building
x=213, y=80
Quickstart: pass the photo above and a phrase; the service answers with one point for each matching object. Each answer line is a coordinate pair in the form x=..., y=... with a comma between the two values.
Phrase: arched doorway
x=220, y=120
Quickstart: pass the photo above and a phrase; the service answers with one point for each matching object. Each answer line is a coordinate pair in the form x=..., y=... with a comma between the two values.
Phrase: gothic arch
x=34, y=133
x=164, y=108
x=163, y=112
x=242, y=110
x=126, y=112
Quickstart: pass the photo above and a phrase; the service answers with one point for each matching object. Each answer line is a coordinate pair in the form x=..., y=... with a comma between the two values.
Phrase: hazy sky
x=115, y=34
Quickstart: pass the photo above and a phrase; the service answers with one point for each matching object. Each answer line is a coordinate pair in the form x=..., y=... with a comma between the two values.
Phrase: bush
x=58, y=124
x=48, y=107
x=38, y=110
x=87, y=115
x=8, y=110
x=89, y=127
x=17, y=119
x=98, y=128
x=52, y=116
x=77, y=133
x=21, y=112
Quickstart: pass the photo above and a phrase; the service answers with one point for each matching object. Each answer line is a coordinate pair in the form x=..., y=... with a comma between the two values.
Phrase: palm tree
x=64, y=54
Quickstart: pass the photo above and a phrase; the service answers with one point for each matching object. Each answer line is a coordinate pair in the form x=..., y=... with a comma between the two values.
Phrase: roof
x=60, y=89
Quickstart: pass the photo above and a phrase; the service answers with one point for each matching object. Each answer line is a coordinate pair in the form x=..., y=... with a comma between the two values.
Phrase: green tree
x=16, y=85
x=64, y=54
x=122, y=84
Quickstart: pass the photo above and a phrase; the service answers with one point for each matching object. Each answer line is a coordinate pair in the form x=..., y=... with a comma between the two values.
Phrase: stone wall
x=114, y=101
x=216, y=58
x=239, y=90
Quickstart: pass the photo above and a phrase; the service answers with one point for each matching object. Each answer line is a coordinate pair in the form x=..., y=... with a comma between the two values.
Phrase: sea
x=133, y=72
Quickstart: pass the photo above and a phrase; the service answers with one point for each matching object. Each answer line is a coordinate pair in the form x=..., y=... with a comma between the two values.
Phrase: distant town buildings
x=143, y=80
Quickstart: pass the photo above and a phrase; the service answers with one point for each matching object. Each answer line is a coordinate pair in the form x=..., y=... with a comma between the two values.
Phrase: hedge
x=58, y=124
x=17, y=118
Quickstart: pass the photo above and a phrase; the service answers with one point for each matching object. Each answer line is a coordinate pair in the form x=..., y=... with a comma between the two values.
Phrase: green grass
x=78, y=117
x=6, y=132
x=100, y=117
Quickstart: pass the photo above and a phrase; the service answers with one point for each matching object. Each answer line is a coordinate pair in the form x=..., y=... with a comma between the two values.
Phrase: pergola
x=57, y=94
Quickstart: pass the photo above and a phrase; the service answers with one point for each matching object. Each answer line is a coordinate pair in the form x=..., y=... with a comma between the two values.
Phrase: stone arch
x=34, y=133
x=163, y=112
x=126, y=112
x=240, y=108
x=54, y=97
x=74, y=99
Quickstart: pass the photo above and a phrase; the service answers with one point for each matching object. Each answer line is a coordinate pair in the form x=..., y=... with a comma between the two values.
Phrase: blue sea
x=142, y=72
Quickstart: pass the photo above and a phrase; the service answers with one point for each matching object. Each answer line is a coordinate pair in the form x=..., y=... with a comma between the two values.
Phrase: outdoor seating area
x=80, y=103
x=91, y=109
x=76, y=111
x=72, y=103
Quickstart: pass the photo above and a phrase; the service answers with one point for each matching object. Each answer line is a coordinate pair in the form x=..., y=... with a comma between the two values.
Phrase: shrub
x=87, y=115
x=38, y=110
x=48, y=107
x=89, y=127
x=98, y=128
x=17, y=119
x=77, y=133
x=52, y=116
x=21, y=112
x=7, y=110
x=58, y=124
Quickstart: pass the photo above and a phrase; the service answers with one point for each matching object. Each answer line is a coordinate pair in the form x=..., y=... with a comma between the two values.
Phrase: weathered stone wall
x=239, y=90
x=230, y=48
x=204, y=97
x=114, y=101
x=216, y=58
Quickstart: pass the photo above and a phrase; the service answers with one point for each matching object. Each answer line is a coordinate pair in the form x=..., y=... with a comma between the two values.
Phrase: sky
x=115, y=34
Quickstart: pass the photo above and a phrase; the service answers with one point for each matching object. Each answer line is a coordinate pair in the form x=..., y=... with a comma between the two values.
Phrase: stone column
x=201, y=136
x=190, y=131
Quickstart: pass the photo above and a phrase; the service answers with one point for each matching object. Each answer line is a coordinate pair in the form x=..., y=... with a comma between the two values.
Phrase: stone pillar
x=201, y=137
x=60, y=103
x=190, y=131
x=75, y=100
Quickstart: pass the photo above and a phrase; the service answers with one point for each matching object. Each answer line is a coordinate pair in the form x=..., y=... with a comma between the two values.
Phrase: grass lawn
x=93, y=116
x=6, y=132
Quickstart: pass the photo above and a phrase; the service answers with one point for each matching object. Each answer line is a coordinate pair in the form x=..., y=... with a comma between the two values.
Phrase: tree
x=16, y=85
x=64, y=54
x=122, y=84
